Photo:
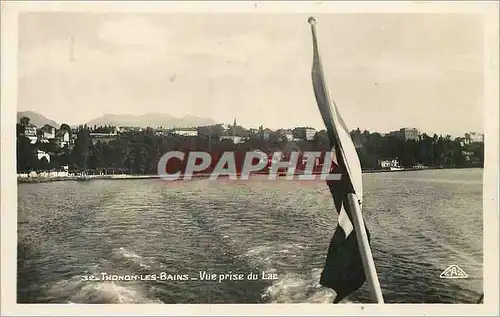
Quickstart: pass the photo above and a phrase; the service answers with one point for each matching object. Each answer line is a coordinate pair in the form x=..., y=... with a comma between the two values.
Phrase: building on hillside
x=234, y=138
x=410, y=134
x=31, y=133
x=33, y=139
x=474, y=137
x=161, y=131
x=254, y=131
x=246, y=133
x=406, y=134
x=236, y=130
x=49, y=132
x=97, y=135
x=128, y=129
x=108, y=130
x=388, y=163
x=62, y=137
x=461, y=141
x=467, y=155
x=310, y=133
x=305, y=133
x=105, y=139
x=192, y=132
x=102, y=137
x=30, y=129
x=286, y=134
x=266, y=133
x=234, y=133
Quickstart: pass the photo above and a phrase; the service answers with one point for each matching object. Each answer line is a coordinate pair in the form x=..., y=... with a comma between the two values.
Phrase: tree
x=65, y=156
x=478, y=150
x=96, y=157
x=43, y=163
x=82, y=148
x=140, y=151
x=65, y=127
x=25, y=154
x=19, y=130
x=321, y=140
x=24, y=121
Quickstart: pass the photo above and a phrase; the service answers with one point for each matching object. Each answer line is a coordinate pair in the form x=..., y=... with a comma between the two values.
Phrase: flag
x=343, y=270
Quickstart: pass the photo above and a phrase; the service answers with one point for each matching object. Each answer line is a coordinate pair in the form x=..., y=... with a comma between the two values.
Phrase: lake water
x=421, y=222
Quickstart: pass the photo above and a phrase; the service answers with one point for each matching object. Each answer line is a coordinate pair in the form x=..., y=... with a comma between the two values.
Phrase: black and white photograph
x=222, y=156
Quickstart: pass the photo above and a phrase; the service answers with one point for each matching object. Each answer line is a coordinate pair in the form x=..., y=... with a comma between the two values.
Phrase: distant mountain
x=153, y=120
x=36, y=119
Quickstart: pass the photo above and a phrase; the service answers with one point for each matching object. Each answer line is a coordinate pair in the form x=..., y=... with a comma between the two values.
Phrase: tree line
x=138, y=152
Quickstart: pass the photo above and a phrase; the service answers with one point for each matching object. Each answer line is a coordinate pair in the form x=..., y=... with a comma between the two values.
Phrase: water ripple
x=420, y=223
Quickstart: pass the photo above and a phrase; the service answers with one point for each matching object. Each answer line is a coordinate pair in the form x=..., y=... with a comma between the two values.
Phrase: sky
x=385, y=71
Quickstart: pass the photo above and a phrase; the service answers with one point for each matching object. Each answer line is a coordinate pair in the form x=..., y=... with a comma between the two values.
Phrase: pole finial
x=311, y=20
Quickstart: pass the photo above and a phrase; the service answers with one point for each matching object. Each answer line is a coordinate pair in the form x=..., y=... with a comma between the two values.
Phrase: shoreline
x=48, y=179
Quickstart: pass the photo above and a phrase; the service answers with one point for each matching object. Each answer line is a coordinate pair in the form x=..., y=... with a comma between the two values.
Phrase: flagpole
x=359, y=225
x=365, y=250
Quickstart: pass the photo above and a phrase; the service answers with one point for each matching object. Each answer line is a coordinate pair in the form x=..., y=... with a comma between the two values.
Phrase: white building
x=41, y=154
x=405, y=134
x=58, y=174
x=310, y=133
x=128, y=129
x=62, y=138
x=288, y=134
x=474, y=137
x=388, y=163
x=30, y=130
x=235, y=139
x=305, y=133
x=33, y=139
x=101, y=135
x=30, y=133
x=266, y=133
x=49, y=132
x=185, y=131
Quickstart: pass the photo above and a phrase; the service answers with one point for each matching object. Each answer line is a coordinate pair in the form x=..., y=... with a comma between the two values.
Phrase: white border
x=10, y=10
